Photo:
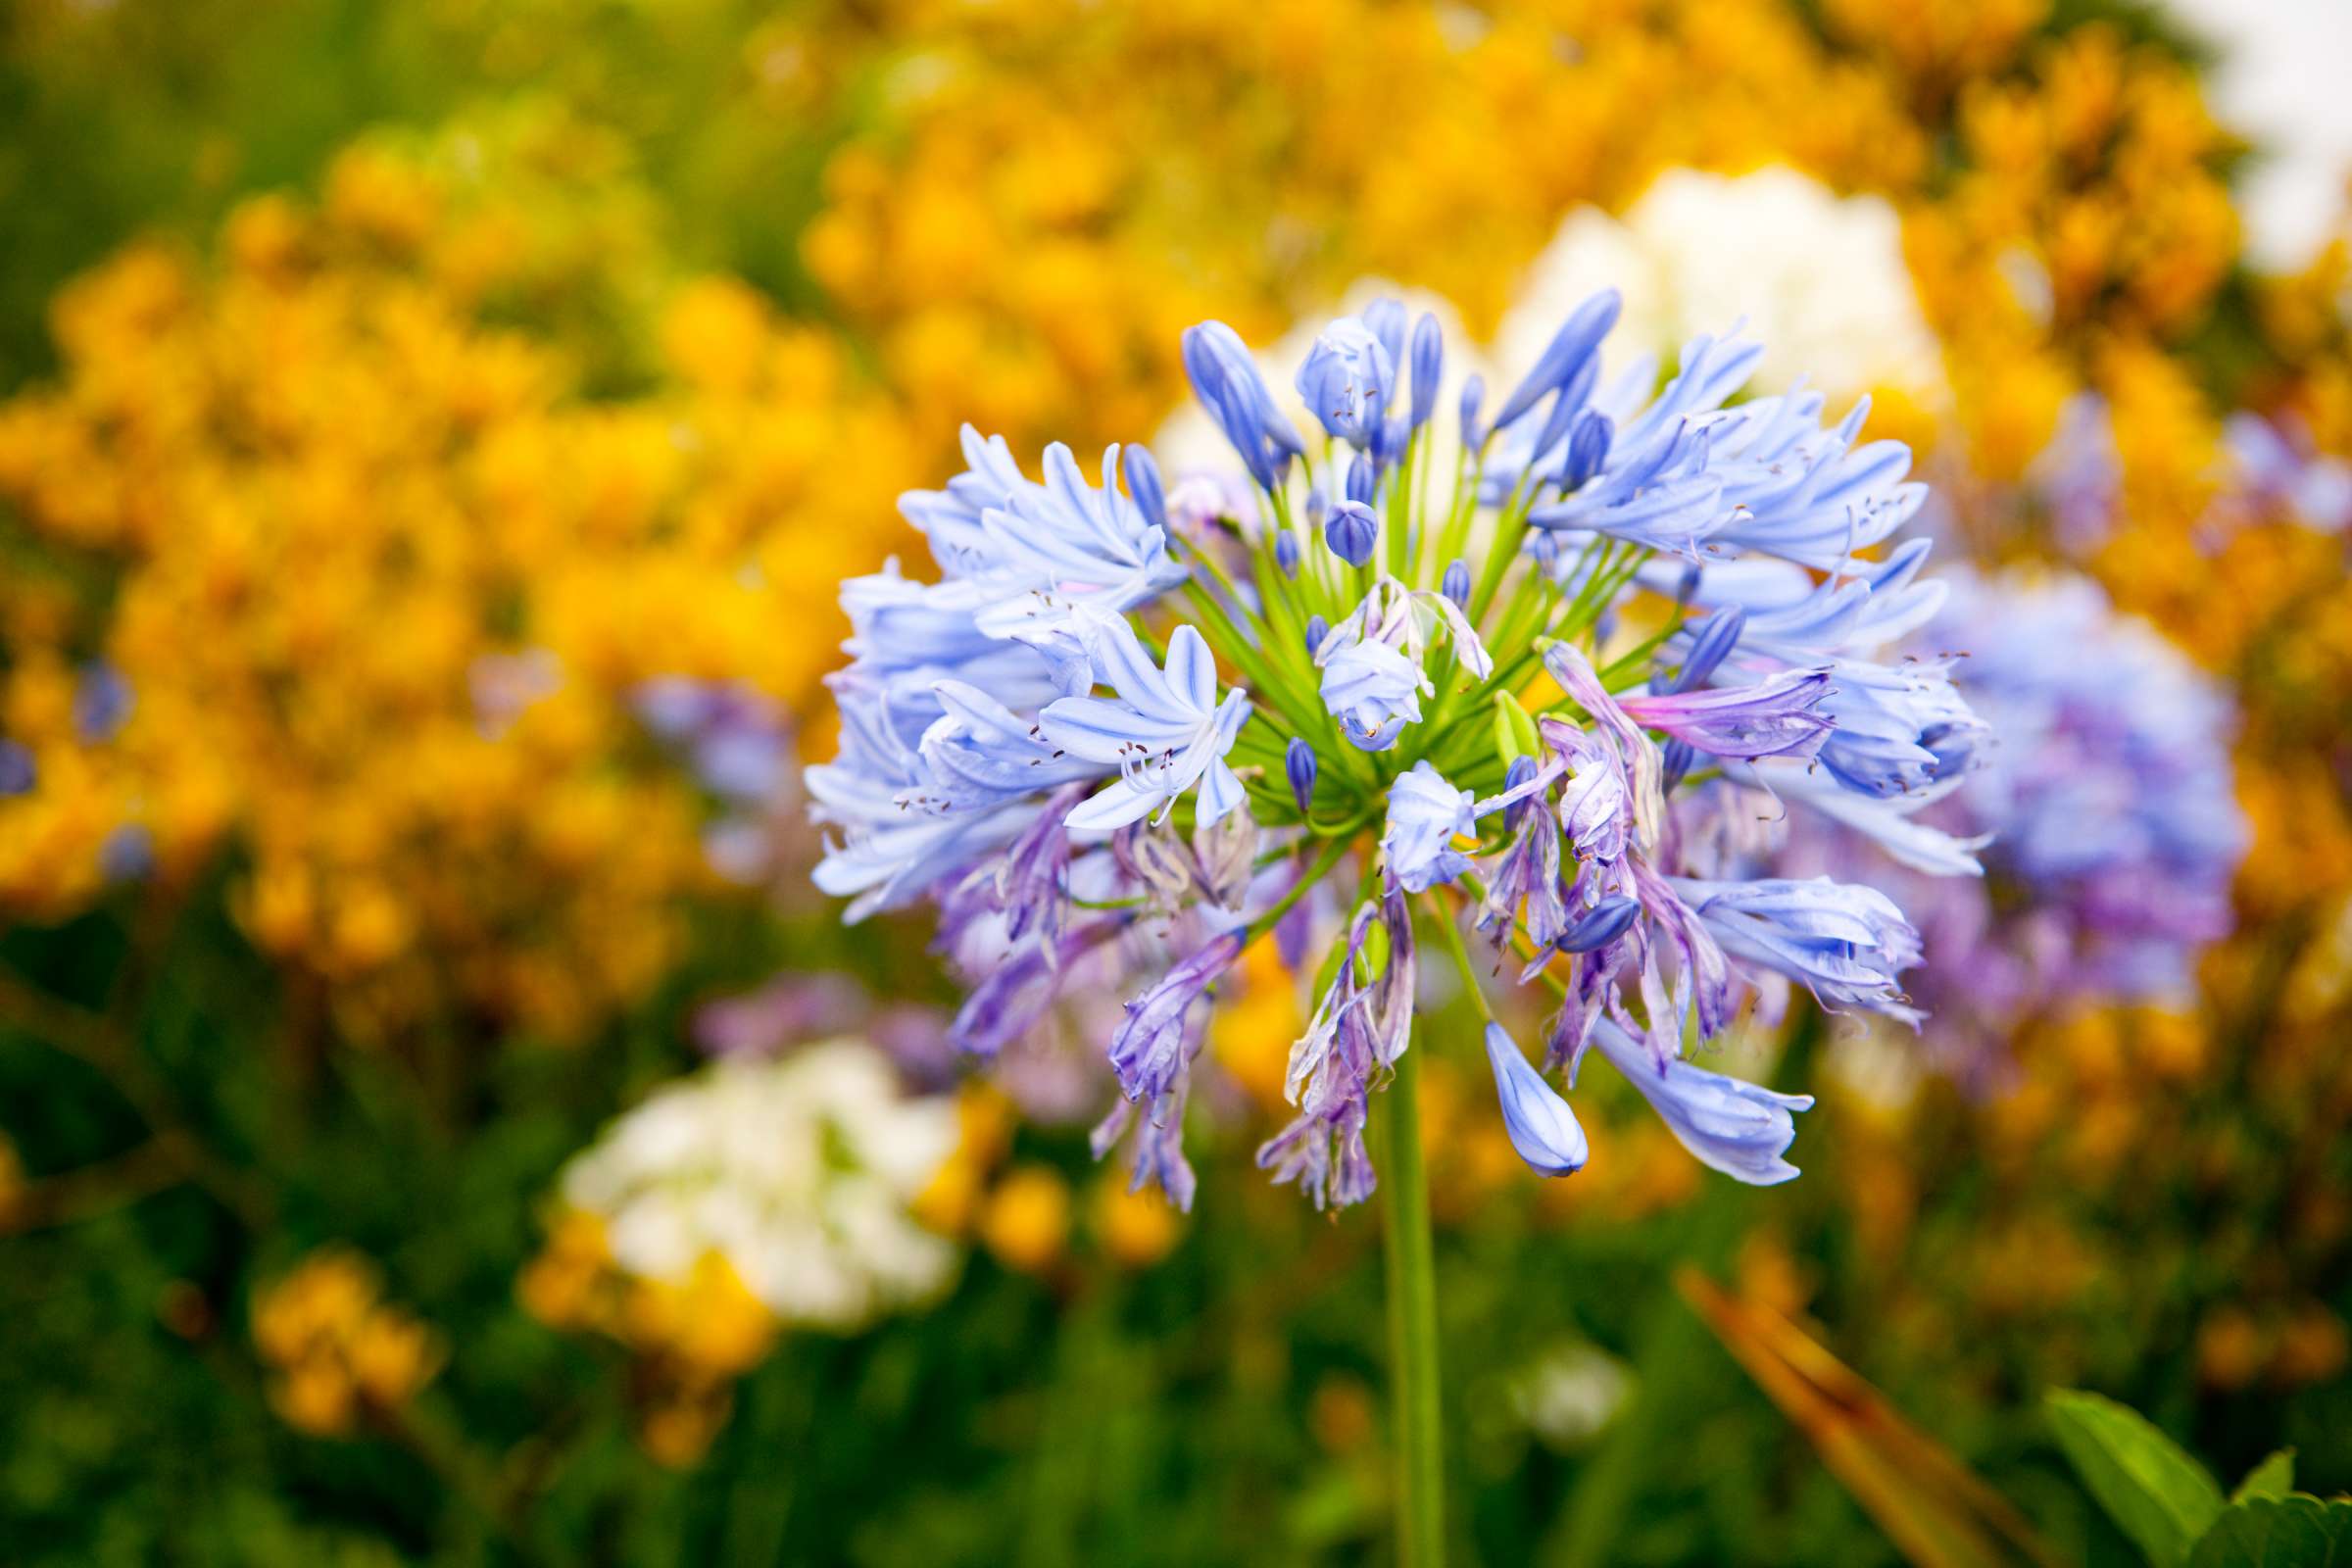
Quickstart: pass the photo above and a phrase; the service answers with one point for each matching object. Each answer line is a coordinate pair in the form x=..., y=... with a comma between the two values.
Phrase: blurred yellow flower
x=335, y=1348
x=1136, y=1228
x=1025, y=1221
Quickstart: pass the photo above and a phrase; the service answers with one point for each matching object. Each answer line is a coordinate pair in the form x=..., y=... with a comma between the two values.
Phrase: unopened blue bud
x=1299, y=763
x=1351, y=532
x=1588, y=447
x=1542, y=1128
x=1318, y=506
x=1455, y=584
x=1429, y=367
x=1317, y=629
x=1600, y=925
x=1711, y=642
x=1386, y=317
x=1569, y=355
x=1473, y=394
x=1674, y=762
x=1556, y=425
x=1143, y=484
x=1286, y=553
x=1363, y=480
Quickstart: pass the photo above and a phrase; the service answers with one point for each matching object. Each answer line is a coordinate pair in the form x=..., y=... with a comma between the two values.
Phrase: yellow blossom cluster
x=2086, y=211
x=382, y=579
x=692, y=1337
x=336, y=1351
x=1024, y=233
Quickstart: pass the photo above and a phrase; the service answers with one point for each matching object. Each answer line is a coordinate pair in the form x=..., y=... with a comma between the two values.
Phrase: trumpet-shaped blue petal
x=1731, y=1125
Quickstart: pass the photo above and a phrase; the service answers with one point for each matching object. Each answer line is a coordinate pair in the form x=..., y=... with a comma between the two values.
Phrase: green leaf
x=2275, y=1477
x=2157, y=1495
x=2295, y=1531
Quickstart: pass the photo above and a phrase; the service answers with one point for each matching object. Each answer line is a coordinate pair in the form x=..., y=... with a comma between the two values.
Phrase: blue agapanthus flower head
x=1416, y=686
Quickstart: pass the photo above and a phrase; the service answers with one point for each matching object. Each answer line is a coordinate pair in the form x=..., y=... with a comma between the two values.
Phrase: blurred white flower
x=1820, y=279
x=799, y=1172
x=1570, y=1392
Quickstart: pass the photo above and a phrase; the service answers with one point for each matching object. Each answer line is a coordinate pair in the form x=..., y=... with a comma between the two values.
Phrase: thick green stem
x=1412, y=1323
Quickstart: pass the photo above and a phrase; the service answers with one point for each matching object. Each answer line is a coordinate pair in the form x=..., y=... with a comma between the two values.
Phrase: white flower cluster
x=1820, y=279
x=799, y=1172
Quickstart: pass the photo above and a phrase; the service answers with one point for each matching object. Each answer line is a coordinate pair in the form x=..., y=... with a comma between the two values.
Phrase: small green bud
x=1514, y=731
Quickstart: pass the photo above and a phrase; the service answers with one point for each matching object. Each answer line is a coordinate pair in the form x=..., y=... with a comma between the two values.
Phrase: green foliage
x=2273, y=1478
x=2169, y=1506
x=2286, y=1531
x=2160, y=1497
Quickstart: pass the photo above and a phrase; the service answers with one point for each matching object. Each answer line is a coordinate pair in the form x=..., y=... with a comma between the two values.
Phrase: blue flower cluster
x=1384, y=687
x=2109, y=808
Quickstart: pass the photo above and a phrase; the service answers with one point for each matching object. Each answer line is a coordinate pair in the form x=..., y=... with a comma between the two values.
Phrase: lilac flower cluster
x=1386, y=685
x=2108, y=810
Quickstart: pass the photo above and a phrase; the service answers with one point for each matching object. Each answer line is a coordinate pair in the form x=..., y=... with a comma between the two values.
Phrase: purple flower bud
x=1542, y=1127
x=1299, y=763
x=1455, y=584
x=1317, y=629
x=1599, y=925
x=1429, y=367
x=1363, y=480
x=1318, y=505
x=1286, y=553
x=1474, y=393
x=1588, y=447
x=1351, y=532
x=1143, y=484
